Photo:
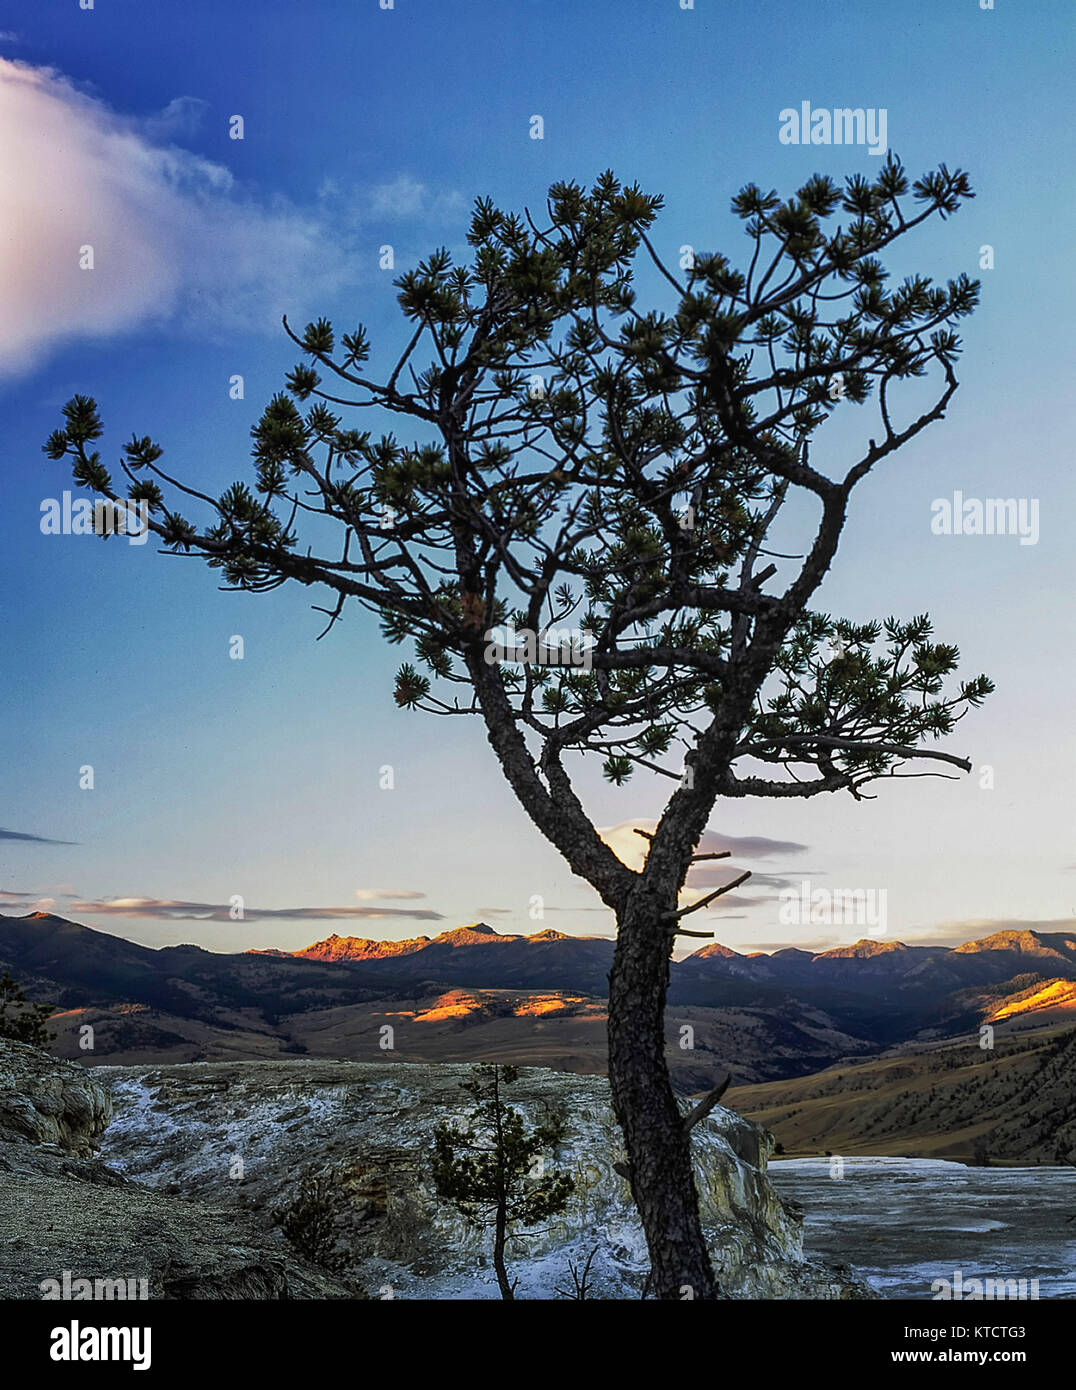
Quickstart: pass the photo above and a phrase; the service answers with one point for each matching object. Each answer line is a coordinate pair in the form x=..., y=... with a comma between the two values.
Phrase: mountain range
x=886, y=988
x=474, y=992
x=878, y=968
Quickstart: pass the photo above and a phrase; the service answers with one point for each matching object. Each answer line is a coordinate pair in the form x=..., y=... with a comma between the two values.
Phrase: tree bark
x=506, y=1285
x=658, y=1146
x=508, y=1288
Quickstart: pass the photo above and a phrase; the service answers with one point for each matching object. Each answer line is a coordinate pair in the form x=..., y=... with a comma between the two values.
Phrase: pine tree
x=605, y=482
x=487, y=1167
x=309, y=1220
x=20, y=1020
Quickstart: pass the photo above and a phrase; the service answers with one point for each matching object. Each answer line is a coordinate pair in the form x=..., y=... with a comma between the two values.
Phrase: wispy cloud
x=548, y=907
x=174, y=238
x=179, y=120
x=178, y=910
x=403, y=198
x=378, y=894
x=703, y=878
x=632, y=848
x=720, y=905
x=37, y=900
x=712, y=875
x=34, y=839
x=813, y=944
x=181, y=910
x=943, y=935
x=408, y=197
x=975, y=928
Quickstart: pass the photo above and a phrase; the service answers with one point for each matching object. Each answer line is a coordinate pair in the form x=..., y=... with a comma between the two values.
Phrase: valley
x=964, y=1053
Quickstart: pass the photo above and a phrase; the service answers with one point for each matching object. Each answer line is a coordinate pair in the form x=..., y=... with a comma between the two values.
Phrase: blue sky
x=365, y=127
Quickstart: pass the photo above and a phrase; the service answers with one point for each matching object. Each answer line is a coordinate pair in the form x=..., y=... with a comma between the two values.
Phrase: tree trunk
x=658, y=1148
x=506, y=1285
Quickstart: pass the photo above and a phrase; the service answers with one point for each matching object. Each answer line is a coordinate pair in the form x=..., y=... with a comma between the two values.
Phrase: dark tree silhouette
x=606, y=481
x=309, y=1219
x=20, y=1020
x=486, y=1168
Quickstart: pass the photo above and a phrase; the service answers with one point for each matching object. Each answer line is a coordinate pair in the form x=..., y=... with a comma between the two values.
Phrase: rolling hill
x=1014, y=1102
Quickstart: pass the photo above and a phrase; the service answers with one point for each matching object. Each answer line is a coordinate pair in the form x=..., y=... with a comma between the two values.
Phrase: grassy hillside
x=1016, y=1102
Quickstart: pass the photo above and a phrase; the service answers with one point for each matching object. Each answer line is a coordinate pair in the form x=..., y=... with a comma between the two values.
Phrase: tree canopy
x=577, y=520
x=606, y=478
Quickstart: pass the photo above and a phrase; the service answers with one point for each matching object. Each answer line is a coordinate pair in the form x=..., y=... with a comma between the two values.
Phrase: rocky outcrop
x=240, y=1135
x=197, y=1160
x=45, y=1101
x=64, y=1211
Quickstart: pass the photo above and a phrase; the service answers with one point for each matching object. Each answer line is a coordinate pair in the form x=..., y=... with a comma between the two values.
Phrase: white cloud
x=182, y=117
x=174, y=238
x=401, y=198
x=405, y=196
